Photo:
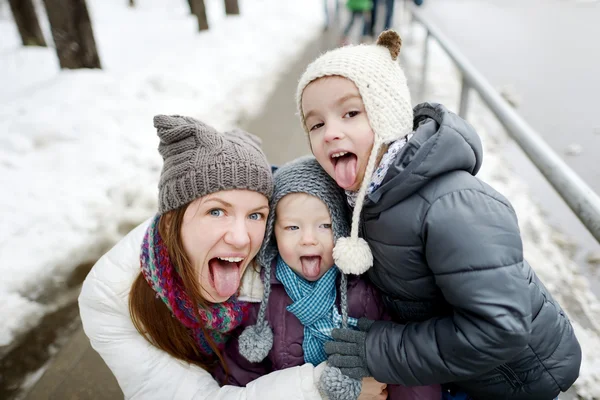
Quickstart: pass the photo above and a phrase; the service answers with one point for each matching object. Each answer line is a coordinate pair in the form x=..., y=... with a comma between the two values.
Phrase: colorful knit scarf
x=218, y=319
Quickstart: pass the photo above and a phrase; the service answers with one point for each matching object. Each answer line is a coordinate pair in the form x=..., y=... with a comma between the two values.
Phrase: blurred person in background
x=359, y=10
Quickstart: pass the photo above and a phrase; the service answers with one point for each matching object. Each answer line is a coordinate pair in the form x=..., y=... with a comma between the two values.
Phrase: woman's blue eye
x=216, y=212
x=257, y=216
x=291, y=228
x=326, y=226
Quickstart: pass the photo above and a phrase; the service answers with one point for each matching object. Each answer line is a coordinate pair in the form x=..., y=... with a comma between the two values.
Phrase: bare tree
x=72, y=33
x=232, y=7
x=199, y=10
x=27, y=21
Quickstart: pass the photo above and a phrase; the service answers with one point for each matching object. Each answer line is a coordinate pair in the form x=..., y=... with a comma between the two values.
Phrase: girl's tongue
x=225, y=276
x=345, y=170
x=311, y=266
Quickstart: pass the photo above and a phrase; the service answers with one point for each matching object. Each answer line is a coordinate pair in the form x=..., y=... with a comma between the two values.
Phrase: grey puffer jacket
x=449, y=262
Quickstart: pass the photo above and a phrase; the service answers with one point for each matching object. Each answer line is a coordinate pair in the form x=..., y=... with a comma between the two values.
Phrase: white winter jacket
x=146, y=372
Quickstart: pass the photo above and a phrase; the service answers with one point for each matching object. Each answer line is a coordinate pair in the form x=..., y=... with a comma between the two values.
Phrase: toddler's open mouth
x=311, y=266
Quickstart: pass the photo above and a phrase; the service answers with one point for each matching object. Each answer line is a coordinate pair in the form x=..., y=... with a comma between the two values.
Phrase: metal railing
x=584, y=202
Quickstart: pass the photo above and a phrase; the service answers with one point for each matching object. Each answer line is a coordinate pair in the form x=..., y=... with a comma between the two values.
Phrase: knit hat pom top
x=376, y=72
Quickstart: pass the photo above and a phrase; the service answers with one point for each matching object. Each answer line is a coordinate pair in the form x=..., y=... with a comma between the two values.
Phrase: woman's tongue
x=226, y=277
x=311, y=266
x=345, y=171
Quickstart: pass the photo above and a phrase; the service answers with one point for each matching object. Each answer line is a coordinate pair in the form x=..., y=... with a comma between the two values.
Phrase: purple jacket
x=288, y=335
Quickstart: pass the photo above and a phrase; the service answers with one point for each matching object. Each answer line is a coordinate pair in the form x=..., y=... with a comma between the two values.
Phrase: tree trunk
x=232, y=7
x=72, y=33
x=199, y=10
x=29, y=28
x=131, y=3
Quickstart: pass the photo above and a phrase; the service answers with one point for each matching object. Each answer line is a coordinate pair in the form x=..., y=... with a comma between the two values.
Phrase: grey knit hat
x=303, y=175
x=199, y=161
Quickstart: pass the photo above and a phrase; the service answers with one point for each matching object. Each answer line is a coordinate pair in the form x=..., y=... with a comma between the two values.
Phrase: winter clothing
x=303, y=175
x=352, y=345
x=314, y=306
x=375, y=71
x=198, y=161
x=217, y=319
x=146, y=372
x=359, y=5
x=380, y=172
x=363, y=301
x=448, y=255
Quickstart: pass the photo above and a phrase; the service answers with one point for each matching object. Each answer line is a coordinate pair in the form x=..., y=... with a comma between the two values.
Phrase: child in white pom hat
x=442, y=246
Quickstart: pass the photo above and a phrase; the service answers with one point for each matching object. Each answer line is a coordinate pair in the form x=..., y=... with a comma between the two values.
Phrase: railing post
x=463, y=107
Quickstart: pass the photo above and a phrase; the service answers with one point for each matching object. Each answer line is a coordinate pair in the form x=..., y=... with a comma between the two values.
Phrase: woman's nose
x=237, y=235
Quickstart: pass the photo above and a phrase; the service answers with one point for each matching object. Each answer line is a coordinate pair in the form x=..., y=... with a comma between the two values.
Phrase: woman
x=213, y=202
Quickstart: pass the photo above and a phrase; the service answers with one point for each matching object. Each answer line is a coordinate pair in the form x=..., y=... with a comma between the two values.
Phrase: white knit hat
x=377, y=74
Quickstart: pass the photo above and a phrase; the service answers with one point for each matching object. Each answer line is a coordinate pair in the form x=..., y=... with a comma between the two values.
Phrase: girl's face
x=221, y=234
x=340, y=135
x=304, y=236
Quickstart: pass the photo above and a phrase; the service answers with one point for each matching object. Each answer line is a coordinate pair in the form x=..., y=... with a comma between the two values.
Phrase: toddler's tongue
x=345, y=171
x=226, y=277
x=311, y=266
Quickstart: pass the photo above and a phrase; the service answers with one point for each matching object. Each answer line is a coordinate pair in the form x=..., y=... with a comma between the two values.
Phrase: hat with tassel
x=303, y=175
x=377, y=74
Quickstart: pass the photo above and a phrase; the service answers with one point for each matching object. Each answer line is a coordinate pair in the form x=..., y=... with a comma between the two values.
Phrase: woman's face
x=221, y=234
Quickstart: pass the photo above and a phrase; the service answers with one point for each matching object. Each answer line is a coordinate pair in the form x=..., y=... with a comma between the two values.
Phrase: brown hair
x=150, y=315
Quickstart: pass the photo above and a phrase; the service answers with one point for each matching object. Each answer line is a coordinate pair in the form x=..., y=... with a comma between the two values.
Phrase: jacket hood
x=442, y=142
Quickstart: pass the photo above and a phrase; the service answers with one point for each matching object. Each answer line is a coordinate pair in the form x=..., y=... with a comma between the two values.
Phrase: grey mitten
x=347, y=351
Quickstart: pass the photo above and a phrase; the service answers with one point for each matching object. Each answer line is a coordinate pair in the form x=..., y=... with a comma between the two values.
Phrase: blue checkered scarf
x=314, y=305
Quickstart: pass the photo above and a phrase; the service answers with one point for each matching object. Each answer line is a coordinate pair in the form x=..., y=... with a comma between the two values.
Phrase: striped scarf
x=314, y=305
x=217, y=319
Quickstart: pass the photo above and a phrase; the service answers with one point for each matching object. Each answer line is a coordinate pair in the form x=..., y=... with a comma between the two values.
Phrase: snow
x=78, y=159
x=546, y=249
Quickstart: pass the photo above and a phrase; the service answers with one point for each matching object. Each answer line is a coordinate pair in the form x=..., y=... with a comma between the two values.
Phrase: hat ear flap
x=391, y=40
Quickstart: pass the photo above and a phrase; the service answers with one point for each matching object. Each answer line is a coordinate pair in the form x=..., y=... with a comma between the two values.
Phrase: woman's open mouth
x=345, y=168
x=225, y=274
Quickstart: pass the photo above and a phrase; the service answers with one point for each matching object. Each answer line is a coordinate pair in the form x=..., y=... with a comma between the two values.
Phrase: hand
x=372, y=390
x=347, y=350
